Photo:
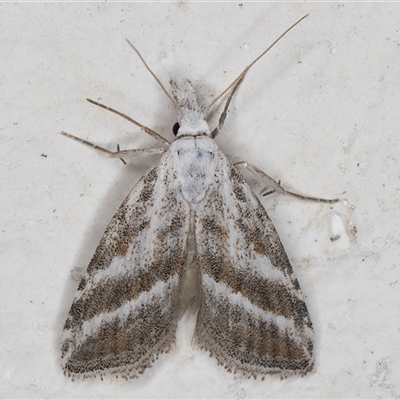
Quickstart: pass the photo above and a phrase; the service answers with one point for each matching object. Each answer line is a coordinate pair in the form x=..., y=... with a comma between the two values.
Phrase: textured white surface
x=320, y=112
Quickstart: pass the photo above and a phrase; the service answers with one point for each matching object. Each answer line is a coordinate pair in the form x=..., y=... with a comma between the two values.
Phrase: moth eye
x=175, y=128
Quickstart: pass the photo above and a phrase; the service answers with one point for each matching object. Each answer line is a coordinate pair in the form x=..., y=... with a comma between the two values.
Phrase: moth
x=191, y=236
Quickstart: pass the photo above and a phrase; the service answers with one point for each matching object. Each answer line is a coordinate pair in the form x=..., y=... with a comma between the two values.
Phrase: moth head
x=191, y=115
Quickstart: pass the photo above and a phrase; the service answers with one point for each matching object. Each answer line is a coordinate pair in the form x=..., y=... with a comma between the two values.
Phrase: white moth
x=190, y=237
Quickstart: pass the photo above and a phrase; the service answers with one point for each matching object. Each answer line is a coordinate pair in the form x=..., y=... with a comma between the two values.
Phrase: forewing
x=252, y=317
x=125, y=309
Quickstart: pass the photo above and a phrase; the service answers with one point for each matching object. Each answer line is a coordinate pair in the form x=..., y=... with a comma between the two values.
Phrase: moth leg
x=277, y=185
x=239, y=164
x=118, y=153
x=222, y=118
x=144, y=128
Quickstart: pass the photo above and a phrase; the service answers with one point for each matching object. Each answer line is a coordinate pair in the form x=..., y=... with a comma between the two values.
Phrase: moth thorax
x=193, y=125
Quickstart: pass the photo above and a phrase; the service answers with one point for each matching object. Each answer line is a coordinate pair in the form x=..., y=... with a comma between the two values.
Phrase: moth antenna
x=241, y=76
x=154, y=75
